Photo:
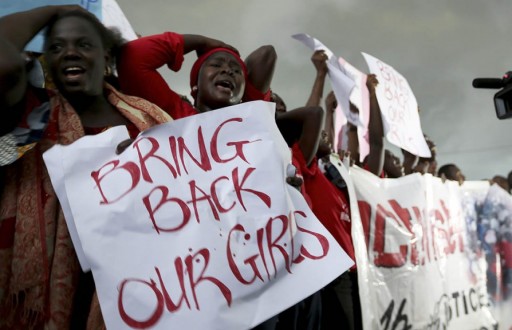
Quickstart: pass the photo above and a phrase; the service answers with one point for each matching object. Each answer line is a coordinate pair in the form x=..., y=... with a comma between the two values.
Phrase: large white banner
x=193, y=226
x=416, y=265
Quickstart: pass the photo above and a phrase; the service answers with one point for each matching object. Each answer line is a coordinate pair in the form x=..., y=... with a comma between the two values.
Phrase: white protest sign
x=399, y=108
x=315, y=45
x=341, y=81
x=53, y=159
x=360, y=97
x=113, y=16
x=193, y=225
x=415, y=266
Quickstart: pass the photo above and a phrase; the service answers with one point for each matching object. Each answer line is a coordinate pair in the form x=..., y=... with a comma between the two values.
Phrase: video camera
x=503, y=98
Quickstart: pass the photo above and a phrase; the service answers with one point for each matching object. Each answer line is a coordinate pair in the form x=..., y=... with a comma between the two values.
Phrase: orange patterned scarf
x=38, y=265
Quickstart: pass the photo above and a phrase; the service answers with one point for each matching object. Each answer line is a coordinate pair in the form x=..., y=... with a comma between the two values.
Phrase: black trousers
x=305, y=315
x=341, y=306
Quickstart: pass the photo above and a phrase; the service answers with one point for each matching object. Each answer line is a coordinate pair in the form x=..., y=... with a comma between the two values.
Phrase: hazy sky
x=438, y=46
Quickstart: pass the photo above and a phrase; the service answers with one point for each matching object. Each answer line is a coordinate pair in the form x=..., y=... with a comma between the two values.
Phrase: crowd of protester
x=96, y=81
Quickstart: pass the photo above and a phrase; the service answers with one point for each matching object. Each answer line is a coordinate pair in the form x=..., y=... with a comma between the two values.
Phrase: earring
x=194, y=88
x=108, y=71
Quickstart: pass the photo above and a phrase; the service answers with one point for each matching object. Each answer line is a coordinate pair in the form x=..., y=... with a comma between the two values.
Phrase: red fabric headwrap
x=194, y=72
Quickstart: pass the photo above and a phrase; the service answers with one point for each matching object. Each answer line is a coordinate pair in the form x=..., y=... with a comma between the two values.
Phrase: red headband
x=194, y=72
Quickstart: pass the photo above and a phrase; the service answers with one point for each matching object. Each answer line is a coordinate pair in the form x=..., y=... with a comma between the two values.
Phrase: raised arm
x=138, y=64
x=409, y=162
x=375, y=160
x=330, y=106
x=16, y=30
x=318, y=58
x=141, y=58
x=260, y=68
x=201, y=44
x=304, y=126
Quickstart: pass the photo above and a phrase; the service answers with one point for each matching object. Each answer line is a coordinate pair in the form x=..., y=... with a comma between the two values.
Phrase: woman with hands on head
x=218, y=78
x=39, y=270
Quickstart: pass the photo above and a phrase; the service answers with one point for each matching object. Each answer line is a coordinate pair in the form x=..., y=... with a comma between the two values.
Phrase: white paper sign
x=399, y=108
x=53, y=160
x=341, y=81
x=360, y=97
x=193, y=225
x=114, y=16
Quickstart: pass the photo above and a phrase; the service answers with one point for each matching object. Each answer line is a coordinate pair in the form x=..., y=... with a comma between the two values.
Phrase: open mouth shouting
x=225, y=85
x=73, y=73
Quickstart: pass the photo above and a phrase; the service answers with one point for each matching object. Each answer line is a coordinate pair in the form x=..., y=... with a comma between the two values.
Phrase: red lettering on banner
x=273, y=246
x=130, y=167
x=196, y=278
x=383, y=258
x=150, y=153
x=239, y=188
x=405, y=217
x=205, y=197
x=259, y=240
x=164, y=191
x=267, y=244
x=151, y=320
x=251, y=261
x=215, y=197
x=439, y=235
x=173, y=145
x=425, y=246
x=205, y=164
x=194, y=282
x=445, y=234
x=169, y=304
x=214, y=148
x=304, y=252
x=197, y=195
x=365, y=211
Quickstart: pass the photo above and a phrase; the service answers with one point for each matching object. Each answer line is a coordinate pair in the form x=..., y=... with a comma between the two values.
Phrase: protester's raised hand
x=345, y=157
x=319, y=59
x=409, y=161
x=293, y=178
x=371, y=81
x=330, y=102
